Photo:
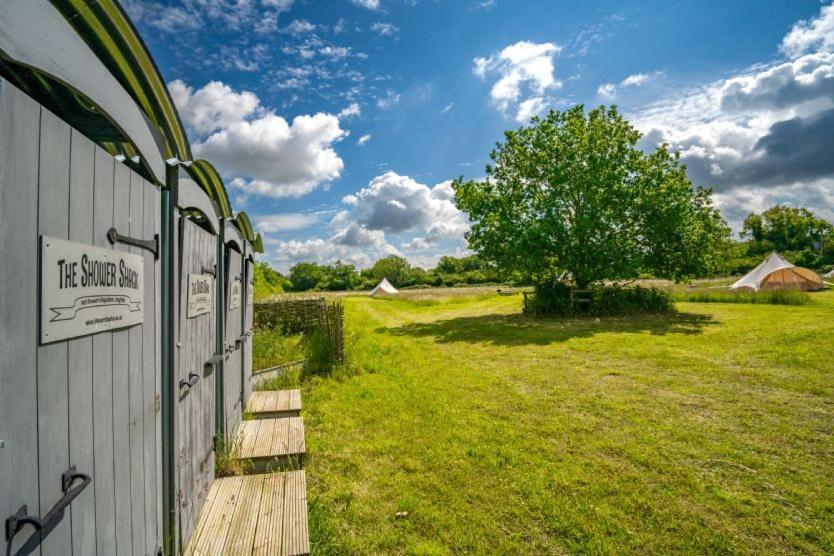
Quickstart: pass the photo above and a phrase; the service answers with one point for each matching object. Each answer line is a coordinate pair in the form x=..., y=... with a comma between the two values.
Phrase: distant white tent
x=775, y=273
x=384, y=288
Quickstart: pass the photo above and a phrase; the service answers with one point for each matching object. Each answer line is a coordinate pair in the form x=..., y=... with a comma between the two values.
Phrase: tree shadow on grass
x=519, y=329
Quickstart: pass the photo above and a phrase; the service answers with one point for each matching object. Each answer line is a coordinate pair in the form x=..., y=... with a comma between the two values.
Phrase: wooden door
x=89, y=398
x=195, y=416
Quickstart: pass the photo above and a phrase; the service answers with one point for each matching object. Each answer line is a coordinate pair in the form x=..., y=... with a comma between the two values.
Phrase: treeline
x=799, y=235
x=450, y=271
x=796, y=233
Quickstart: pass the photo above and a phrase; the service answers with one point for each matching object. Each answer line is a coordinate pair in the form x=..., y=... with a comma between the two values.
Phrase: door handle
x=192, y=380
x=44, y=525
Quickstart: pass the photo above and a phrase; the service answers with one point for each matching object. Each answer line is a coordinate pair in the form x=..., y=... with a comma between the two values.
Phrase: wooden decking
x=271, y=444
x=265, y=511
x=268, y=404
x=255, y=514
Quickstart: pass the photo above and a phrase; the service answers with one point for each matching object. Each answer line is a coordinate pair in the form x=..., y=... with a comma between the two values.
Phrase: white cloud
x=258, y=150
x=814, y=34
x=608, y=91
x=335, y=52
x=284, y=254
x=763, y=136
x=369, y=4
x=396, y=204
x=529, y=108
x=364, y=139
x=525, y=71
x=351, y=110
x=390, y=209
x=286, y=221
x=385, y=29
x=634, y=80
x=213, y=107
x=808, y=78
x=447, y=107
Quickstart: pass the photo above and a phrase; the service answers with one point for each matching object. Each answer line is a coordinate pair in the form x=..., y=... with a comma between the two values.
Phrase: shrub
x=560, y=299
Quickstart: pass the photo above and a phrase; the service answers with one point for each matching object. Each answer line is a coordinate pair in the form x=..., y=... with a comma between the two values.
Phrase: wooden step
x=256, y=514
x=265, y=404
x=271, y=444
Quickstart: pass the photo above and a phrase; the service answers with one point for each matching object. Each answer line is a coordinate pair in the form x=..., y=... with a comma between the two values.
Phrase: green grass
x=710, y=430
x=764, y=297
x=270, y=348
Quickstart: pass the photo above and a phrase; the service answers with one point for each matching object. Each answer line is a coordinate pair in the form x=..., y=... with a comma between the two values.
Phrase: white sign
x=87, y=289
x=234, y=294
x=250, y=294
x=200, y=295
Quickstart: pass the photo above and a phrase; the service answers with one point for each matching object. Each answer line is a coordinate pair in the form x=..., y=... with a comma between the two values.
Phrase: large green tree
x=572, y=195
x=786, y=229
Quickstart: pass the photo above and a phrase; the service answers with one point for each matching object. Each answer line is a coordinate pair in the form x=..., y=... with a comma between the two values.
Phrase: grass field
x=707, y=431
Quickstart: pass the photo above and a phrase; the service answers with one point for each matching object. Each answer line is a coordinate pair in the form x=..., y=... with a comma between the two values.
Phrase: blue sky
x=338, y=124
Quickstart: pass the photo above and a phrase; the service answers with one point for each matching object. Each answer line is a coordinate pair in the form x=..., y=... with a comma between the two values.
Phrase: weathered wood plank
x=19, y=153
x=271, y=444
x=53, y=399
x=270, y=516
x=242, y=527
x=150, y=331
x=295, y=540
x=121, y=380
x=104, y=481
x=266, y=404
x=256, y=514
x=135, y=354
x=80, y=371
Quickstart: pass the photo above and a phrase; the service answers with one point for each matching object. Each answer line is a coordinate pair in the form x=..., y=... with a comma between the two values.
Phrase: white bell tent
x=775, y=273
x=384, y=288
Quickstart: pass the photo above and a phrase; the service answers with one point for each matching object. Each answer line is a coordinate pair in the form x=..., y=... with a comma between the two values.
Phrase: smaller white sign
x=250, y=294
x=200, y=295
x=87, y=289
x=234, y=294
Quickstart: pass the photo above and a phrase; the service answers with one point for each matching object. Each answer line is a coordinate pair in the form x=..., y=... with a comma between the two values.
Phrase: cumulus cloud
x=525, y=71
x=261, y=152
x=391, y=209
x=395, y=204
x=529, y=108
x=213, y=107
x=805, y=79
x=813, y=34
x=283, y=254
x=762, y=136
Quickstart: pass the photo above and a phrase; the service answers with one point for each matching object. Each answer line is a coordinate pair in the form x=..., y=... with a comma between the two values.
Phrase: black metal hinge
x=151, y=245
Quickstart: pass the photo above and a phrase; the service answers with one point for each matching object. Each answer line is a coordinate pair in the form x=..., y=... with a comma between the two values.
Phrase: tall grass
x=271, y=348
x=226, y=462
x=759, y=298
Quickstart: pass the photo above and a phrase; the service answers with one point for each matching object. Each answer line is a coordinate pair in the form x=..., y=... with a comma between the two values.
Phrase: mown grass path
x=711, y=430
